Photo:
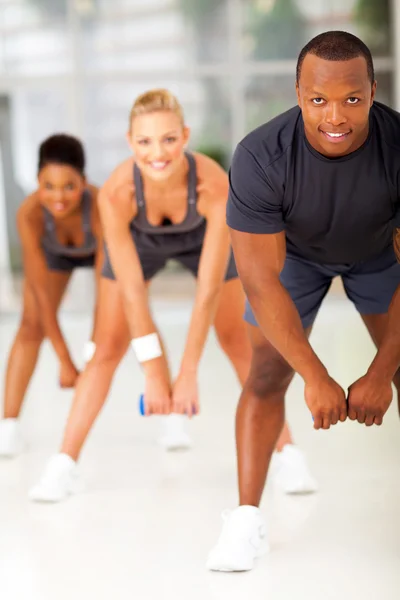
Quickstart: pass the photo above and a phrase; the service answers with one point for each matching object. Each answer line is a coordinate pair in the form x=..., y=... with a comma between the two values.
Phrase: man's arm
x=255, y=217
x=370, y=396
x=260, y=259
x=387, y=359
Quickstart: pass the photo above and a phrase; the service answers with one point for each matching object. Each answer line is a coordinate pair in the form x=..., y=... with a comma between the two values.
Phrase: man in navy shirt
x=313, y=194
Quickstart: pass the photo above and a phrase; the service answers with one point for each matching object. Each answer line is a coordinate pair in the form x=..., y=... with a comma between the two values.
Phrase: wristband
x=147, y=347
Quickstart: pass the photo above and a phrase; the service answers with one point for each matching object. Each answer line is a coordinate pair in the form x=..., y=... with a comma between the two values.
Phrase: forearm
x=141, y=323
x=387, y=359
x=280, y=322
x=51, y=326
x=97, y=279
x=203, y=313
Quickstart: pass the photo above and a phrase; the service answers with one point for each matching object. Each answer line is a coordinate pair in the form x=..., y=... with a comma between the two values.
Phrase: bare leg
x=112, y=340
x=234, y=339
x=25, y=349
x=260, y=416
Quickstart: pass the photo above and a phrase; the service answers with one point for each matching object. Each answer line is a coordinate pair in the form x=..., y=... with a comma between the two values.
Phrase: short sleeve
x=253, y=205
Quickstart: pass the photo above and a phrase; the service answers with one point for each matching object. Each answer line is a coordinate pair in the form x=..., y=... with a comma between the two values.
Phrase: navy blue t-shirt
x=333, y=210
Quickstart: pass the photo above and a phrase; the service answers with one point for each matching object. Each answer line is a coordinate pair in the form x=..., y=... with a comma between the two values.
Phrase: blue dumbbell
x=142, y=407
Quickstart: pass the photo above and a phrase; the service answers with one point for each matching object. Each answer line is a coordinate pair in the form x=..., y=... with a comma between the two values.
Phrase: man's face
x=335, y=98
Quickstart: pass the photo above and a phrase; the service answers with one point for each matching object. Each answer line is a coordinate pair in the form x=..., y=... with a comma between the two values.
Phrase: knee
x=31, y=329
x=234, y=342
x=270, y=375
x=109, y=351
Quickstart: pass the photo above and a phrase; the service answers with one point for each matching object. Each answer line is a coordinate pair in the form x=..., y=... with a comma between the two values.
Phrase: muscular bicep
x=259, y=257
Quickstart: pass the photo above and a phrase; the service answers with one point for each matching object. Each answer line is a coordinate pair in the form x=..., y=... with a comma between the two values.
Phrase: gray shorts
x=66, y=264
x=153, y=264
x=370, y=284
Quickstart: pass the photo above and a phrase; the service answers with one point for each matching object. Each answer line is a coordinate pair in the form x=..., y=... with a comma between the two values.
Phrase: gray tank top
x=51, y=244
x=192, y=219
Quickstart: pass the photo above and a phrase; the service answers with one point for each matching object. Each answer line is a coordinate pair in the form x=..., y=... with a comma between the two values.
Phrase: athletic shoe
x=59, y=480
x=175, y=436
x=242, y=540
x=11, y=443
x=290, y=472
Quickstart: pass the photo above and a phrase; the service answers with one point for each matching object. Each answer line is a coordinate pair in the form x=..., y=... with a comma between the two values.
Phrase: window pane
x=21, y=13
x=40, y=52
x=36, y=114
x=161, y=35
x=206, y=106
x=278, y=29
x=34, y=37
x=267, y=97
x=385, y=91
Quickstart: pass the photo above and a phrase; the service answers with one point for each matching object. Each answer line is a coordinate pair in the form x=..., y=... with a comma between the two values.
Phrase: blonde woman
x=163, y=203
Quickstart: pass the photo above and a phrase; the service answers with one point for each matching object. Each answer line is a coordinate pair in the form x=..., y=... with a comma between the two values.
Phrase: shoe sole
x=262, y=551
x=178, y=445
x=75, y=488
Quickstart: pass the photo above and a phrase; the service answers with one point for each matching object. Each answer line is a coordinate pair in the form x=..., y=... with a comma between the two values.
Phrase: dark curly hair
x=62, y=149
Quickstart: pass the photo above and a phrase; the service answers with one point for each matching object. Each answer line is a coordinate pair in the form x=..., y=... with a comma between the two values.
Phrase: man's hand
x=68, y=374
x=369, y=398
x=326, y=401
x=157, y=396
x=185, y=396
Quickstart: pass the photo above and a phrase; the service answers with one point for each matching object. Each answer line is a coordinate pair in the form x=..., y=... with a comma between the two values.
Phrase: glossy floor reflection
x=147, y=520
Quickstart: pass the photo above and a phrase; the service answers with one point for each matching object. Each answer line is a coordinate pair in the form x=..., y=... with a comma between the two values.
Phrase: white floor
x=144, y=527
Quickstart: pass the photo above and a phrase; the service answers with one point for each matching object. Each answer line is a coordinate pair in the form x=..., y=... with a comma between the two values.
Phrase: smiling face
x=335, y=98
x=158, y=140
x=60, y=189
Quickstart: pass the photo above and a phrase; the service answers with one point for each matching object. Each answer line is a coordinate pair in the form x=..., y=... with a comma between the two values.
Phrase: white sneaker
x=290, y=472
x=11, y=443
x=242, y=540
x=175, y=436
x=89, y=349
x=59, y=480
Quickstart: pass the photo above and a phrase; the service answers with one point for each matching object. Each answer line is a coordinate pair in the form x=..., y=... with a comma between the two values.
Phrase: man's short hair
x=336, y=46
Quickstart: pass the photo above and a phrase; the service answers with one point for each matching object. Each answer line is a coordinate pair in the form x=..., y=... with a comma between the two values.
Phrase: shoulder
x=209, y=172
x=30, y=213
x=122, y=174
x=271, y=141
x=93, y=190
x=386, y=124
x=207, y=167
x=118, y=194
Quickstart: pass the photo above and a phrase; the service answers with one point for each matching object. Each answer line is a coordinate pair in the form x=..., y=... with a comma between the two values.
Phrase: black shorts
x=153, y=264
x=370, y=284
x=66, y=264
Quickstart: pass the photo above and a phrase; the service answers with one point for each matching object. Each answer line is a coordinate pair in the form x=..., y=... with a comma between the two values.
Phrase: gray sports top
x=192, y=219
x=51, y=244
